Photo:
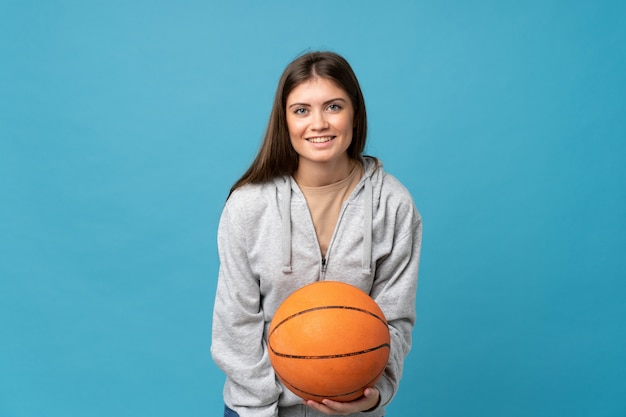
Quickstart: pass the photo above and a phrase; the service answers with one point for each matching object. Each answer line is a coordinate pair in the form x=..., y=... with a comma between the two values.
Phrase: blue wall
x=124, y=123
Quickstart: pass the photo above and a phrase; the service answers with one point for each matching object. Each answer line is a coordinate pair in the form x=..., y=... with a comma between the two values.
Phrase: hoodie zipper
x=341, y=214
x=330, y=244
x=287, y=229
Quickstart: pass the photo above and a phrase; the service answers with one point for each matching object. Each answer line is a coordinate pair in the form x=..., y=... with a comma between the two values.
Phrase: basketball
x=328, y=340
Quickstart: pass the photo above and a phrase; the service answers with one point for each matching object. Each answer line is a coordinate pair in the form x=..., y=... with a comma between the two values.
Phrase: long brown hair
x=276, y=157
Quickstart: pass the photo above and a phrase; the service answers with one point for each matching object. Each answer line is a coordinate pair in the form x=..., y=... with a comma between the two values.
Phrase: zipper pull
x=323, y=265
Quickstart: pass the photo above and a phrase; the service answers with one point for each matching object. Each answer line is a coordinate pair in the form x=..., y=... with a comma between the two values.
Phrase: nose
x=318, y=121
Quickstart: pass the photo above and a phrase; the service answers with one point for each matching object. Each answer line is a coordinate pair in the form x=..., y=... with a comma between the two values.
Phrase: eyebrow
x=326, y=102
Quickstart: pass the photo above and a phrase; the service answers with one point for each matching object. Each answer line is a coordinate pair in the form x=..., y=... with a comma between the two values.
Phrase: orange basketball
x=329, y=340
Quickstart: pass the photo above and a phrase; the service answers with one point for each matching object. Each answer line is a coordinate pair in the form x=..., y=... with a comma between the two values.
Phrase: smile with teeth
x=320, y=139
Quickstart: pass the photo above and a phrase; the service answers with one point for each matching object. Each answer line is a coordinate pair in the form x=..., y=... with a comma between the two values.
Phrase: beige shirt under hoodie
x=325, y=204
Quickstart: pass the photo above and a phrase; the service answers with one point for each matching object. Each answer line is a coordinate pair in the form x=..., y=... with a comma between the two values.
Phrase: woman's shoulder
x=392, y=199
x=254, y=196
x=384, y=183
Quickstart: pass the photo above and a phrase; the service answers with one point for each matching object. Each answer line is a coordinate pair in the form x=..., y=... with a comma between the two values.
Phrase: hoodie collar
x=286, y=193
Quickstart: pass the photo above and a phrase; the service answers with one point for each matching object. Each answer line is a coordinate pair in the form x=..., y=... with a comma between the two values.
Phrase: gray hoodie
x=268, y=249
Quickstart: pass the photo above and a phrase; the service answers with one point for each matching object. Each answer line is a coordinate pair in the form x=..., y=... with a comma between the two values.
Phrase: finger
x=323, y=408
x=344, y=408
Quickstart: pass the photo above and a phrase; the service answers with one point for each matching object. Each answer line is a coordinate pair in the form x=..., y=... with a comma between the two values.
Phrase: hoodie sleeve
x=238, y=345
x=394, y=289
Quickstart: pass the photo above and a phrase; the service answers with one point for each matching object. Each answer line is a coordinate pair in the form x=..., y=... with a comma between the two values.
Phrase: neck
x=319, y=175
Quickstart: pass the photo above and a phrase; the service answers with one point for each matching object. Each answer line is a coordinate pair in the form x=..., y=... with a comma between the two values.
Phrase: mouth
x=320, y=139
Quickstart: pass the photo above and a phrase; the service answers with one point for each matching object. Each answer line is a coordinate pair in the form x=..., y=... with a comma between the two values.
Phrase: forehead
x=316, y=89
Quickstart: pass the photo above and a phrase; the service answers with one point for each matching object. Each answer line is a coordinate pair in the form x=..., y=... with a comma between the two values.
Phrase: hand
x=369, y=400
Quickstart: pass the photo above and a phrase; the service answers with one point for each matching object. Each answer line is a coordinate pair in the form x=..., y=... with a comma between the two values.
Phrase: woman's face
x=320, y=120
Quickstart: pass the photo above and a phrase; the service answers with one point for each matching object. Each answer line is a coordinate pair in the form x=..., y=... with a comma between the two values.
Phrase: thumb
x=370, y=392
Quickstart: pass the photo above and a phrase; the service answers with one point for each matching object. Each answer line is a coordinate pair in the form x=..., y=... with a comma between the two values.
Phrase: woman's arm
x=394, y=290
x=238, y=346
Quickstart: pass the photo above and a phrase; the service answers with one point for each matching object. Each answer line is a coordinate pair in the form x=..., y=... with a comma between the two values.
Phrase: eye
x=334, y=107
x=300, y=111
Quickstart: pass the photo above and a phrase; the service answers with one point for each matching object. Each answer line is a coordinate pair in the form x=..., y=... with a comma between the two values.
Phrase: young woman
x=311, y=207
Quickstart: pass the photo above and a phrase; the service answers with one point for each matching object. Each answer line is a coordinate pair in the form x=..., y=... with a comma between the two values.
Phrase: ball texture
x=329, y=340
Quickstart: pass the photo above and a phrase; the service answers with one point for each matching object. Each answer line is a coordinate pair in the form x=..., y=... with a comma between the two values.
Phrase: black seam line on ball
x=335, y=356
x=328, y=308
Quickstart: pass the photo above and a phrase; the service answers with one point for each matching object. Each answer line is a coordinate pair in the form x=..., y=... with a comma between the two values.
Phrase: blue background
x=124, y=123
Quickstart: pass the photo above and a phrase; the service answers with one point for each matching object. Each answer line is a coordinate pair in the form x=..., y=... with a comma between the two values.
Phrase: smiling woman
x=312, y=208
x=320, y=120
